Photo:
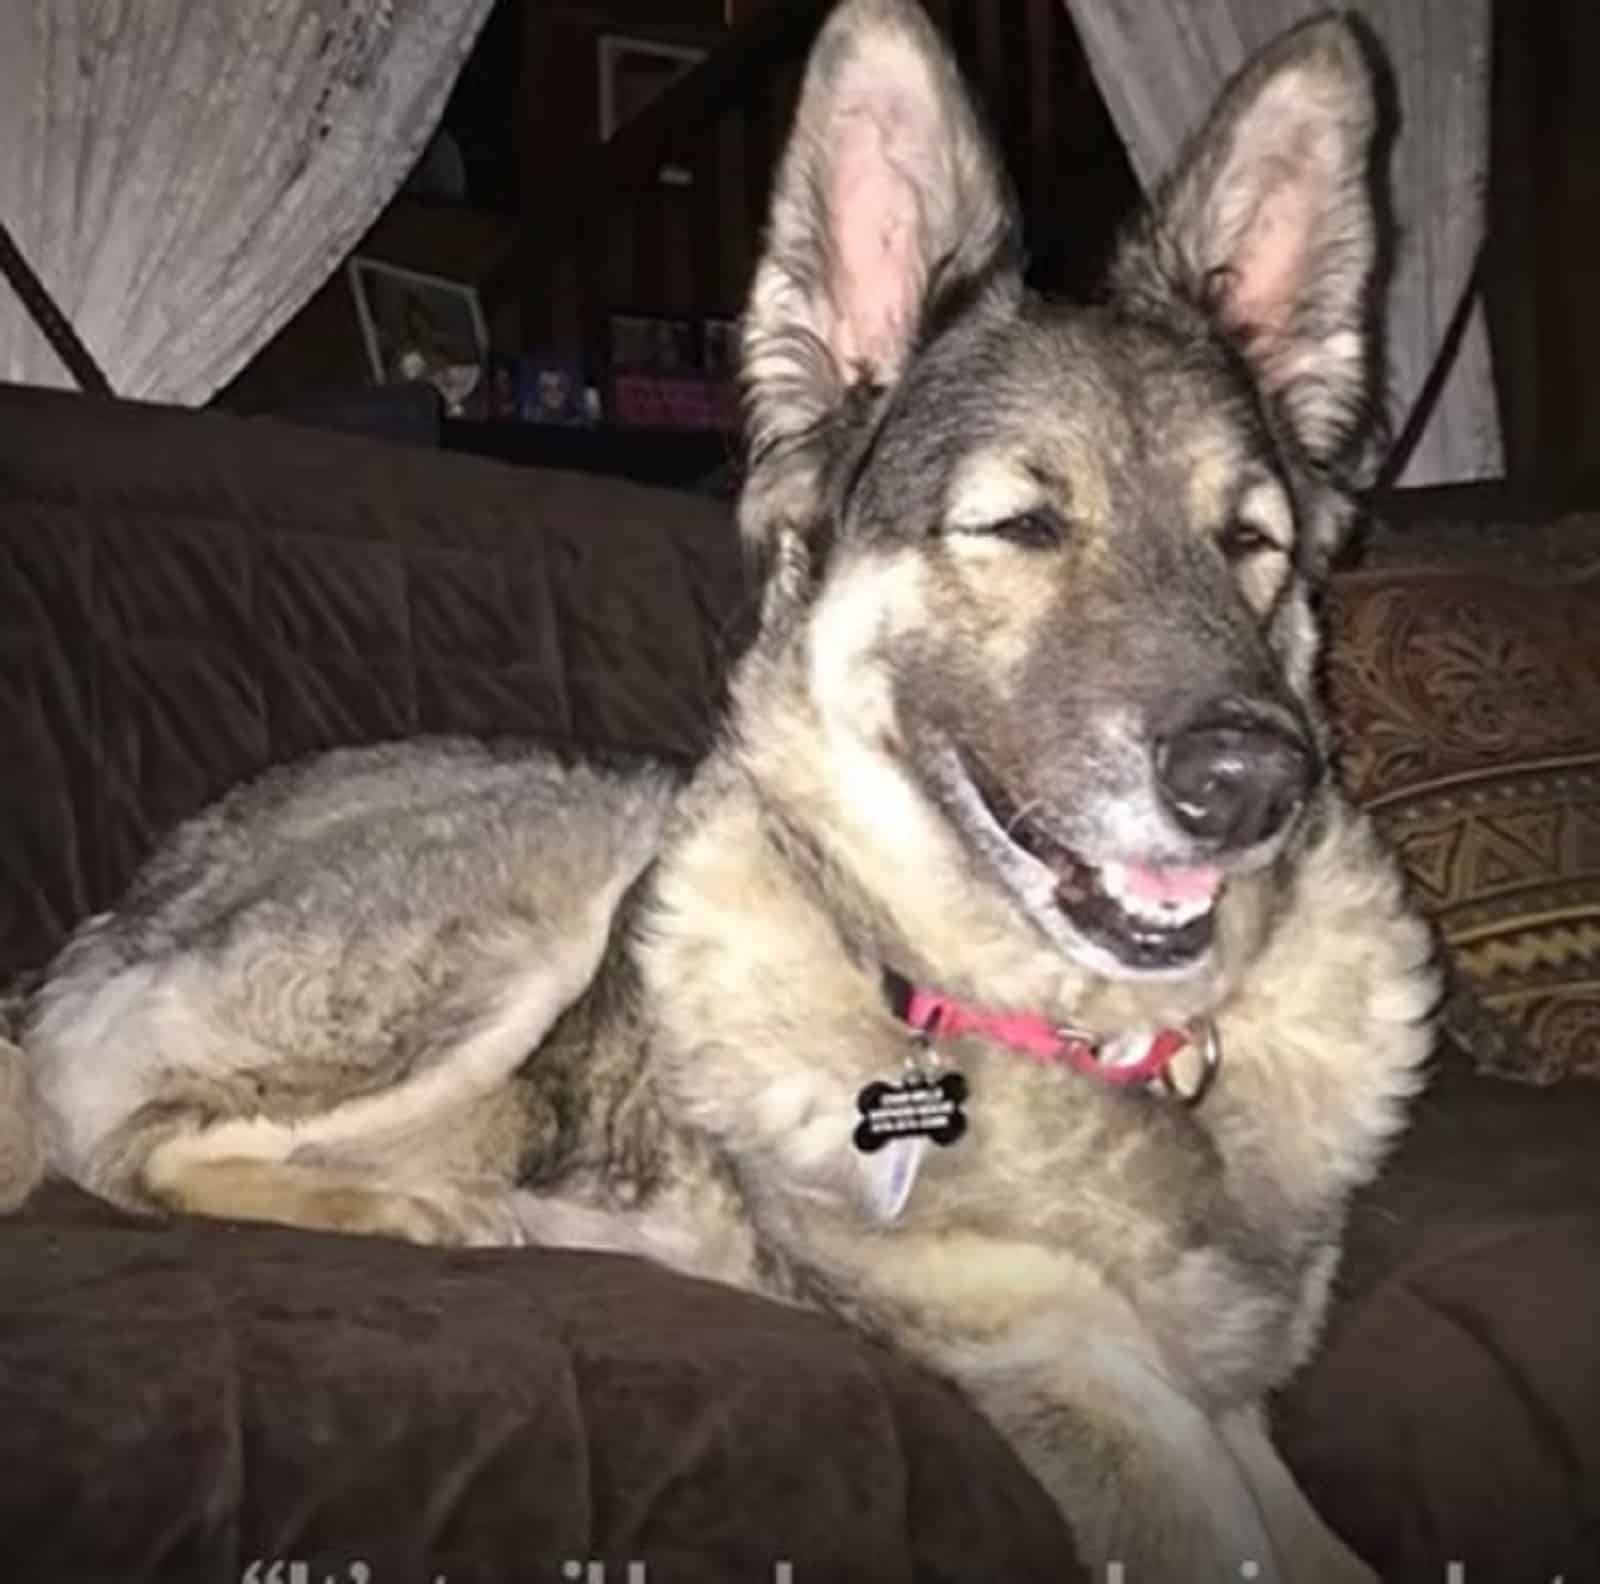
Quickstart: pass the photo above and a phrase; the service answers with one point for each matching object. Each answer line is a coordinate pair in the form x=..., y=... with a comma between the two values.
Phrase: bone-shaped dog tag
x=918, y=1106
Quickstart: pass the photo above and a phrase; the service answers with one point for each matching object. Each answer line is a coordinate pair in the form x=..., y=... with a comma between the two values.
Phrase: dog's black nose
x=1234, y=774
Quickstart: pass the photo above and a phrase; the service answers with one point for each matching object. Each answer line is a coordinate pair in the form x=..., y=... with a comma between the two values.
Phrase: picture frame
x=643, y=400
x=417, y=326
x=632, y=72
x=673, y=373
x=653, y=343
x=551, y=391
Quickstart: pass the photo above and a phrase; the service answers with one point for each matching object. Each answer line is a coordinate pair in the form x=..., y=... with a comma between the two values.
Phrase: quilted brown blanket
x=186, y=598
x=181, y=1400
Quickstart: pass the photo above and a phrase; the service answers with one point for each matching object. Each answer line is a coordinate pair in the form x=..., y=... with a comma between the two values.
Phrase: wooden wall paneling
x=646, y=285
x=1044, y=150
x=679, y=251
x=619, y=228
x=593, y=283
x=704, y=208
x=759, y=146
x=989, y=67
x=737, y=225
x=785, y=99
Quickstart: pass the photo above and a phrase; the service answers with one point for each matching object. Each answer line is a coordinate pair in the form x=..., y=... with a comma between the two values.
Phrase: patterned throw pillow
x=1466, y=695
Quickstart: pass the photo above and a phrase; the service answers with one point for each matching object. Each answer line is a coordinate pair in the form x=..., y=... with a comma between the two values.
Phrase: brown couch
x=187, y=598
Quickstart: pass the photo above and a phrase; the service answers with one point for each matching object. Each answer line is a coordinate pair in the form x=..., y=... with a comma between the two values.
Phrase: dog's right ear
x=889, y=198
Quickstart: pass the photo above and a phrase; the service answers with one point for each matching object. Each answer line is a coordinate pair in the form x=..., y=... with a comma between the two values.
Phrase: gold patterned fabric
x=1467, y=702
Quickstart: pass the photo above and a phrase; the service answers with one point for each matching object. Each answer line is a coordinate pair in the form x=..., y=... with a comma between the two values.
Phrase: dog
x=1012, y=979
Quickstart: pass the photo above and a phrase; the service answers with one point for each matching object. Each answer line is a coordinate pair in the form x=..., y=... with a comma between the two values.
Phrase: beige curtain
x=1160, y=62
x=184, y=174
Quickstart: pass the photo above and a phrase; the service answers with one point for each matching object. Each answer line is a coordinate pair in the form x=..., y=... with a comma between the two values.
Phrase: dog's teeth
x=1189, y=895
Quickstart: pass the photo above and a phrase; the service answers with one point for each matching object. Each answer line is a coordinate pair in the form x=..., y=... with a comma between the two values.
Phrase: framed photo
x=420, y=327
x=633, y=71
x=550, y=391
x=671, y=373
x=652, y=343
x=673, y=401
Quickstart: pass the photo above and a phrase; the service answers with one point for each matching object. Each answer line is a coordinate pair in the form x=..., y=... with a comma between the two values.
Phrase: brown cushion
x=1453, y=1414
x=1452, y=1417
x=177, y=1399
x=1467, y=700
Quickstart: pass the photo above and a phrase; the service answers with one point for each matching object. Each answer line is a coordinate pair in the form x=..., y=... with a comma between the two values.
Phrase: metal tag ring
x=1203, y=1034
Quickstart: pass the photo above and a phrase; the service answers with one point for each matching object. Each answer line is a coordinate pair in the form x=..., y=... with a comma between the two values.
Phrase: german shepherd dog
x=1011, y=980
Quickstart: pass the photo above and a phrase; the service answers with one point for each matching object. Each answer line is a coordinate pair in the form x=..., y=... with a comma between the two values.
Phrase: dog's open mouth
x=1148, y=916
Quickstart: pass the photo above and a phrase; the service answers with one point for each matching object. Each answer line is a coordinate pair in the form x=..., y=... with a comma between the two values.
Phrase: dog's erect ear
x=888, y=199
x=1268, y=223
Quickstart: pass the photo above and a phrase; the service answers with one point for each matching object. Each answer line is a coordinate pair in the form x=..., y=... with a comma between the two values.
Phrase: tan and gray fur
x=1020, y=559
x=21, y=1147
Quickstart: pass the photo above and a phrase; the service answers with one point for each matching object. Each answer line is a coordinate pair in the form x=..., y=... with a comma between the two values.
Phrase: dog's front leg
x=1151, y=1489
x=450, y=1213
x=1312, y=1552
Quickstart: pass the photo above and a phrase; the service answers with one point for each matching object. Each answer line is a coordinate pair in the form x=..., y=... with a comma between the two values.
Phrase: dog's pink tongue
x=1191, y=883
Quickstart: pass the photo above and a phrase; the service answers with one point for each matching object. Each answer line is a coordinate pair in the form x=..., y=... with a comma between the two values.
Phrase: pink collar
x=1124, y=1061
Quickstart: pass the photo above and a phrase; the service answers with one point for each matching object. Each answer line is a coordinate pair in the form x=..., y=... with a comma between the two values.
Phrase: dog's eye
x=1241, y=540
x=1040, y=529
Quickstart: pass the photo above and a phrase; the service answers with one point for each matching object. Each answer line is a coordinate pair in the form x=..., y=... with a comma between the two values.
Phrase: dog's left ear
x=1268, y=224
x=888, y=200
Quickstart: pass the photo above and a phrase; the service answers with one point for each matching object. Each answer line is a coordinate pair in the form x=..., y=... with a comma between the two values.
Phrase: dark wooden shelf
x=673, y=458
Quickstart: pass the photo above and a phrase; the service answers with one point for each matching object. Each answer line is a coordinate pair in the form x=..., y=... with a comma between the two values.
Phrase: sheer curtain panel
x=1159, y=63
x=184, y=174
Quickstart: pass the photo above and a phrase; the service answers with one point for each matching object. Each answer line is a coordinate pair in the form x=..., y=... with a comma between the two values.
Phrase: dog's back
x=327, y=936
